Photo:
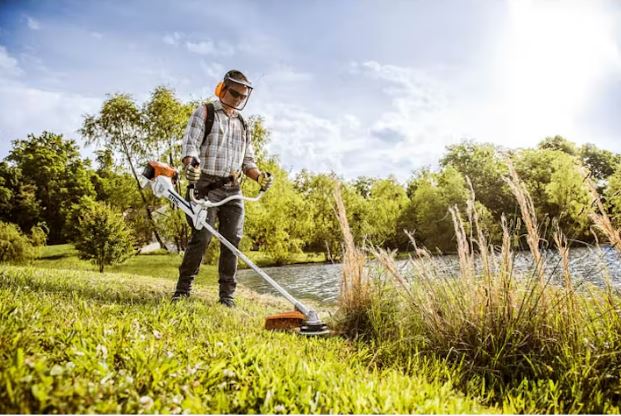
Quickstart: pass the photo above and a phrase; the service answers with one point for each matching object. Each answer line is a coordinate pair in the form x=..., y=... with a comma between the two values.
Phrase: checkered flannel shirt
x=226, y=149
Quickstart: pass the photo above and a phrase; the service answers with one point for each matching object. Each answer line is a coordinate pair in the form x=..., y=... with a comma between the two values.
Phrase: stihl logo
x=174, y=198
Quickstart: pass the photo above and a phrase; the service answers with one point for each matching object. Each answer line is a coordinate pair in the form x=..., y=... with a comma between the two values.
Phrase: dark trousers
x=231, y=223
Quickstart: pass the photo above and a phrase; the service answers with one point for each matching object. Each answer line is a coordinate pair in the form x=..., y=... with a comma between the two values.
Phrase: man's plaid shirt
x=227, y=148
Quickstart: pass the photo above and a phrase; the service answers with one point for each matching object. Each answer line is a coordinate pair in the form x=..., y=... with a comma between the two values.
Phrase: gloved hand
x=265, y=180
x=192, y=171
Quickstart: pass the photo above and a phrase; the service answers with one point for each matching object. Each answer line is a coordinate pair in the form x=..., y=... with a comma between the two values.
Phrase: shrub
x=103, y=236
x=14, y=246
x=38, y=235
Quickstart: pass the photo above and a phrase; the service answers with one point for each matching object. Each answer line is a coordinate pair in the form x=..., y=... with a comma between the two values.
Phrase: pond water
x=321, y=282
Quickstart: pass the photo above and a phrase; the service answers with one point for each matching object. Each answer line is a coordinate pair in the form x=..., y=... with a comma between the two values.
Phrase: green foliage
x=317, y=190
x=612, y=195
x=386, y=203
x=38, y=235
x=47, y=177
x=103, y=236
x=260, y=137
x=601, y=163
x=280, y=222
x=14, y=246
x=165, y=118
x=483, y=164
x=428, y=214
x=558, y=143
x=114, y=185
x=121, y=127
x=557, y=189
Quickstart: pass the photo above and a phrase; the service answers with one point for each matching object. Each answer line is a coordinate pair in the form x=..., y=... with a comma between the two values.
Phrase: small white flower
x=56, y=370
x=219, y=344
x=70, y=365
x=103, y=350
x=157, y=334
x=280, y=408
x=146, y=401
x=228, y=373
x=106, y=379
x=177, y=399
x=169, y=354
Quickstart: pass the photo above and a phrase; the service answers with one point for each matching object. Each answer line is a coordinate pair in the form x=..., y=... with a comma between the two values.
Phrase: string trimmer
x=161, y=178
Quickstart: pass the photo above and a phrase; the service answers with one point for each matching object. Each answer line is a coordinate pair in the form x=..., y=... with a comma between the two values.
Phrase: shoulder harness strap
x=209, y=118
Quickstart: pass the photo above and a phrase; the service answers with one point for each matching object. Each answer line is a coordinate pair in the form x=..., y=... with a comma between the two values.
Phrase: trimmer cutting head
x=296, y=321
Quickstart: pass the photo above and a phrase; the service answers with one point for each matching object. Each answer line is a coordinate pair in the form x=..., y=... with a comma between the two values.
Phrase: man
x=223, y=151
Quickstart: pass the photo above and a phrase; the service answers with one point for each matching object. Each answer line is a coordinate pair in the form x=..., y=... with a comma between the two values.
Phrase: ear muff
x=219, y=91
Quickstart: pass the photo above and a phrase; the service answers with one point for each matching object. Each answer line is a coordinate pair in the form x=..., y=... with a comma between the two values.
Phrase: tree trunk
x=144, y=199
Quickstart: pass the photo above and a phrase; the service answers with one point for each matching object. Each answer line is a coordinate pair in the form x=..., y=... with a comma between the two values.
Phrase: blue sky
x=372, y=88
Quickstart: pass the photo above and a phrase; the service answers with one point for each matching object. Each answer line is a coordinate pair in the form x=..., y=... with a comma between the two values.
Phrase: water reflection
x=321, y=281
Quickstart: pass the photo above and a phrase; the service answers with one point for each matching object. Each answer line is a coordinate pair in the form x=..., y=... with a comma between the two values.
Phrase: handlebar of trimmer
x=208, y=204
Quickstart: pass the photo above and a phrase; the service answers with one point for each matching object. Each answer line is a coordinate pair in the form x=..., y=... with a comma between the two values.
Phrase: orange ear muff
x=219, y=89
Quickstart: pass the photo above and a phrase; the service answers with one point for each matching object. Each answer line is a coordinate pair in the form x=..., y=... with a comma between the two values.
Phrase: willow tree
x=120, y=127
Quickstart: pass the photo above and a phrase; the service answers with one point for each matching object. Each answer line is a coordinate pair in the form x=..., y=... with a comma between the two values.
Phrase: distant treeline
x=44, y=182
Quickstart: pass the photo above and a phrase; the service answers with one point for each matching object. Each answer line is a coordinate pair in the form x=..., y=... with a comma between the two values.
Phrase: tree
x=387, y=200
x=280, y=221
x=120, y=128
x=18, y=199
x=557, y=189
x=103, y=236
x=428, y=214
x=317, y=191
x=49, y=176
x=612, y=195
x=558, y=143
x=165, y=119
x=601, y=163
x=483, y=164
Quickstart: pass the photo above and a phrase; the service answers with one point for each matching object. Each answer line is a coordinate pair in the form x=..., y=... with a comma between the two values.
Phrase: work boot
x=178, y=296
x=228, y=302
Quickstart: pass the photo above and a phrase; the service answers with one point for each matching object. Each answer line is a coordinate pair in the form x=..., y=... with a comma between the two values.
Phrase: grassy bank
x=81, y=342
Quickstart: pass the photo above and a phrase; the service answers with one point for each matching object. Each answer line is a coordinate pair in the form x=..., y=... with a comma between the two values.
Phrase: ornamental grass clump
x=521, y=340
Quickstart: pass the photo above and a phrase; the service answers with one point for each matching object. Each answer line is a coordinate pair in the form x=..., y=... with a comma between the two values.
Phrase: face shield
x=232, y=95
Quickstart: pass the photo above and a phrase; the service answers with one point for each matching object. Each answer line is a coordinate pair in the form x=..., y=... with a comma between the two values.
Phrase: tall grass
x=521, y=341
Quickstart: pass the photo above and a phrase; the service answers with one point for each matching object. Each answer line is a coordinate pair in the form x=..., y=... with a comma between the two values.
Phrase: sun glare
x=553, y=56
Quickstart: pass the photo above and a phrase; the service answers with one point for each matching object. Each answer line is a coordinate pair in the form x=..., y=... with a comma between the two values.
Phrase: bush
x=103, y=236
x=38, y=235
x=14, y=246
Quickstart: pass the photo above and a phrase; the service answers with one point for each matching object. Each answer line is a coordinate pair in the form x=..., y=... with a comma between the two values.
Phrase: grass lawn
x=78, y=341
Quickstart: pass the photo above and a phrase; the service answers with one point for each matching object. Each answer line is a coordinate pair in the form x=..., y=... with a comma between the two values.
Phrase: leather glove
x=192, y=171
x=265, y=180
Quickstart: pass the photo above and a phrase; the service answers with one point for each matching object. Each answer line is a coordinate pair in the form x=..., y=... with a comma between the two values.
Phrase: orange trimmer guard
x=285, y=321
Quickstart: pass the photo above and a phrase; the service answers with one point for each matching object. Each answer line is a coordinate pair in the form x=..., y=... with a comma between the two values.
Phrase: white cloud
x=286, y=73
x=33, y=23
x=57, y=112
x=9, y=66
x=172, y=38
x=212, y=69
x=209, y=47
x=303, y=140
